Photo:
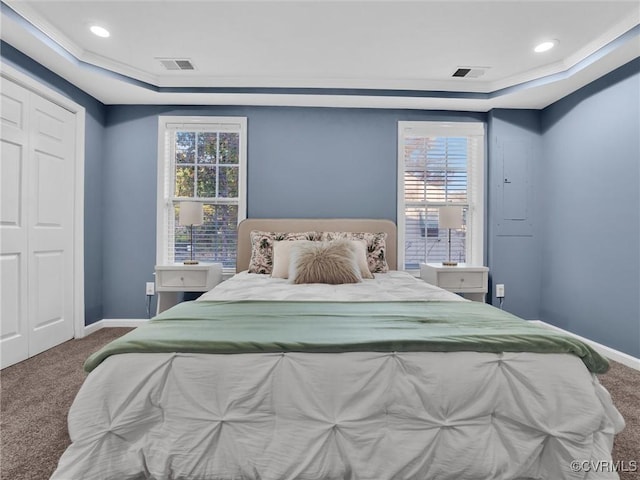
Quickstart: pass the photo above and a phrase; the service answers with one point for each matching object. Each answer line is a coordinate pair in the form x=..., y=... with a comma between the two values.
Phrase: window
x=439, y=164
x=201, y=159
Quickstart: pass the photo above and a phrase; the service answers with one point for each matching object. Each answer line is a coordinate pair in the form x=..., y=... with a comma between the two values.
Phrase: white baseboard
x=611, y=353
x=113, y=322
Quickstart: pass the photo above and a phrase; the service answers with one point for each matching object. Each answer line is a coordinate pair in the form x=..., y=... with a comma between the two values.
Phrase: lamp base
x=449, y=264
x=191, y=262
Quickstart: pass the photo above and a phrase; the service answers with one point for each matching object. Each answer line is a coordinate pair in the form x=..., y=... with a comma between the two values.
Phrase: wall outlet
x=500, y=290
x=151, y=288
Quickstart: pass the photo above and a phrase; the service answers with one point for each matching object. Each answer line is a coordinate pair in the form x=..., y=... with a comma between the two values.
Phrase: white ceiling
x=389, y=54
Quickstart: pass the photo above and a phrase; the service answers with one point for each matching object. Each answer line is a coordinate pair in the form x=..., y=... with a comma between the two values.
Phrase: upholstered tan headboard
x=313, y=225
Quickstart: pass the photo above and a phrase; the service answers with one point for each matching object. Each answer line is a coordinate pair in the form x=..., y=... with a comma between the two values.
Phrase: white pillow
x=361, y=258
x=281, y=254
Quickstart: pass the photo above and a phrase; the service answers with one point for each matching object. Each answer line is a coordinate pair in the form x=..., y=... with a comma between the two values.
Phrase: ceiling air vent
x=176, y=64
x=469, y=72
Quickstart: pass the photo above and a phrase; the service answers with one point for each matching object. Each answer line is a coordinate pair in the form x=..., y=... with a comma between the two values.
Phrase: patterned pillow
x=376, y=247
x=262, y=248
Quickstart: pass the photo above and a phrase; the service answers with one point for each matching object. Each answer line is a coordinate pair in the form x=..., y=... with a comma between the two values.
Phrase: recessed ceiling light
x=99, y=31
x=544, y=46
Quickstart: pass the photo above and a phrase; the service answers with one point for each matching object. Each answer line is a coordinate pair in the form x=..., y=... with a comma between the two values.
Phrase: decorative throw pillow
x=376, y=247
x=262, y=248
x=281, y=256
x=324, y=262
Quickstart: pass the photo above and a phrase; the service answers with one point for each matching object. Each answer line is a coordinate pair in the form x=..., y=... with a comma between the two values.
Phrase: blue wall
x=513, y=246
x=590, y=196
x=93, y=186
x=302, y=162
x=560, y=255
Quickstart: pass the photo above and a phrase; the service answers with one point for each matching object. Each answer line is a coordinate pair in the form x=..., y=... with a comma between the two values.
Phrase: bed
x=384, y=378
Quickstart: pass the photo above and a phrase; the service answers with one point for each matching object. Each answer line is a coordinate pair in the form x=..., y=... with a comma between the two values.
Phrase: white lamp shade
x=191, y=213
x=450, y=217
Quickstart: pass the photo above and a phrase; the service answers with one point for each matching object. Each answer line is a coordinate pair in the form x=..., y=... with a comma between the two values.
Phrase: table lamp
x=191, y=214
x=450, y=217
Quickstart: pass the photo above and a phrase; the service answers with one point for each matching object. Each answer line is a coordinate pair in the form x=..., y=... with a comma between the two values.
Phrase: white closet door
x=14, y=170
x=37, y=171
x=50, y=217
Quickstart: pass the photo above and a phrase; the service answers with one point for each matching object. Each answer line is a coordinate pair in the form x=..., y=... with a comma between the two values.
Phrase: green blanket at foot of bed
x=330, y=327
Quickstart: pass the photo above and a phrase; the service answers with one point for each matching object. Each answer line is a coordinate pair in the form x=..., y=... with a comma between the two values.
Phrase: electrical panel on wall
x=514, y=189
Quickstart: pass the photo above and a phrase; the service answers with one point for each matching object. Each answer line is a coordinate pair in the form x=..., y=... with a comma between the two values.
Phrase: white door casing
x=41, y=224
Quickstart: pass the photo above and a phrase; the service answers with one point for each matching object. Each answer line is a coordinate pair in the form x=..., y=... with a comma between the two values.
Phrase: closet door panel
x=14, y=170
x=51, y=189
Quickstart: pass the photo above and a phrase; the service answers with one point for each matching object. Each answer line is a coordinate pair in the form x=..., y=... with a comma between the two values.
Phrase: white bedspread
x=347, y=416
x=386, y=287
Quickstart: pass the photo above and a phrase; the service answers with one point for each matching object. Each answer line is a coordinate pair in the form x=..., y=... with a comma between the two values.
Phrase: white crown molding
x=195, y=80
x=564, y=65
x=116, y=83
x=34, y=18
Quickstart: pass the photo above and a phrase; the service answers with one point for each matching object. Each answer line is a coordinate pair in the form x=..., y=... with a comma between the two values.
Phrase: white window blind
x=202, y=159
x=439, y=164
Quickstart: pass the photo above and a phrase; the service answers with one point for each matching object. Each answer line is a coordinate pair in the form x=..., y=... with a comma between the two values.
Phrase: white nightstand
x=471, y=282
x=173, y=279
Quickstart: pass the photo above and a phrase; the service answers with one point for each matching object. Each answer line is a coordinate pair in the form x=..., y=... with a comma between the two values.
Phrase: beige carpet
x=623, y=384
x=36, y=395
x=35, y=398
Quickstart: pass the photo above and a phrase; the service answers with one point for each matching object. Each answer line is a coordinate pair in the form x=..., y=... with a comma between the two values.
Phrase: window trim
x=167, y=123
x=475, y=246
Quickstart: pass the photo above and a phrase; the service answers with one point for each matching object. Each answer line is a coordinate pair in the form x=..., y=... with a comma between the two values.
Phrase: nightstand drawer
x=460, y=279
x=188, y=278
x=182, y=278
